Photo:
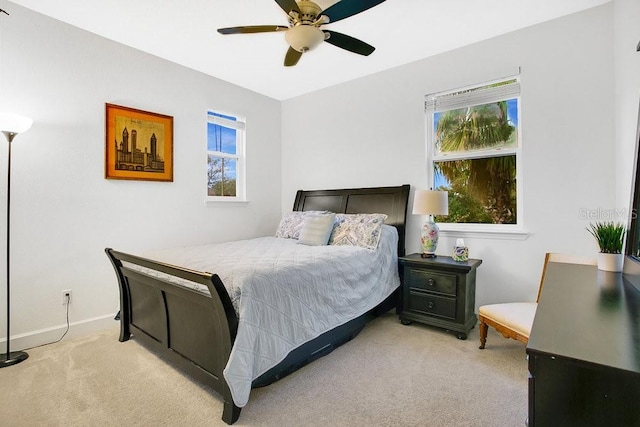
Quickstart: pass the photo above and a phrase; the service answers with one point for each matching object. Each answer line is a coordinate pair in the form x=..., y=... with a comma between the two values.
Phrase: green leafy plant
x=609, y=235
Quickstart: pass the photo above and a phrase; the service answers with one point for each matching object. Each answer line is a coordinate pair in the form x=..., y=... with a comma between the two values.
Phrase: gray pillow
x=316, y=230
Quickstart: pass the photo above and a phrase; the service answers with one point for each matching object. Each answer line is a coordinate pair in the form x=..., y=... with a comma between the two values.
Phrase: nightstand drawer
x=432, y=305
x=441, y=283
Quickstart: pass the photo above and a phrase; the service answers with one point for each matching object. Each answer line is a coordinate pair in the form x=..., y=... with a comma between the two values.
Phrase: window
x=473, y=152
x=225, y=157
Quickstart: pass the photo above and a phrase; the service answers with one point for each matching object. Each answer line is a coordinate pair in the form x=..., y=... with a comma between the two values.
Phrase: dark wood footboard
x=193, y=330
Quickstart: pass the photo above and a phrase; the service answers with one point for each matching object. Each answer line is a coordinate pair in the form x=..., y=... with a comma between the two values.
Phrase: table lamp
x=430, y=203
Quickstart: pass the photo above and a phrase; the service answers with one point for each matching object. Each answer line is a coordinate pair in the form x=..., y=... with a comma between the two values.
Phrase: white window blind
x=472, y=96
x=232, y=124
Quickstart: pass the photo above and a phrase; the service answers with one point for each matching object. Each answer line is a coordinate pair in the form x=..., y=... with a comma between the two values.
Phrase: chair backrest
x=562, y=258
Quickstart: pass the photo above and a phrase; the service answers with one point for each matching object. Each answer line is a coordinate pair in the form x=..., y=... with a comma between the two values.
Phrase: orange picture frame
x=139, y=144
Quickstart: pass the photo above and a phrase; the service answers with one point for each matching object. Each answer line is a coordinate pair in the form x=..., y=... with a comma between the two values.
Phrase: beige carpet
x=390, y=375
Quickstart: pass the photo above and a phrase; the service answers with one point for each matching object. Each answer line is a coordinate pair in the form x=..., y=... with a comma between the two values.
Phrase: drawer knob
x=431, y=304
x=431, y=282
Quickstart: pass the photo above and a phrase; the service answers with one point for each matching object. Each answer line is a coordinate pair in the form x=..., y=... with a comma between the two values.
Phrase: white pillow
x=357, y=230
x=291, y=223
x=316, y=230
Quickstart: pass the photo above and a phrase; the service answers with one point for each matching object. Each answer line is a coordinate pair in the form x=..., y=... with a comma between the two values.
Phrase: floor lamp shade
x=430, y=203
x=11, y=125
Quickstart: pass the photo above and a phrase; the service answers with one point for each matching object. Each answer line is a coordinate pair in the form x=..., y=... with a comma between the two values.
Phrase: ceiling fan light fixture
x=304, y=38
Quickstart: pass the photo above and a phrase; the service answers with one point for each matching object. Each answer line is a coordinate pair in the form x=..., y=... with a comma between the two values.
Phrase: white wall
x=371, y=132
x=64, y=213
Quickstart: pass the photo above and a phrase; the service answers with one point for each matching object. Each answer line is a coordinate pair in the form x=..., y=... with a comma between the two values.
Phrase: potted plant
x=610, y=238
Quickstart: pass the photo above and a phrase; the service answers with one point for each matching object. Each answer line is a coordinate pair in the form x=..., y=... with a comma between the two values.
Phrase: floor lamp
x=10, y=126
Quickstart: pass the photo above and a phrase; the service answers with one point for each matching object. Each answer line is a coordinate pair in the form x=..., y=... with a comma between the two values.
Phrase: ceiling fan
x=304, y=33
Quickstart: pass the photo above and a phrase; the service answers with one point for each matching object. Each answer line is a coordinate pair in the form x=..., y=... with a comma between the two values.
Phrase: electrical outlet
x=66, y=297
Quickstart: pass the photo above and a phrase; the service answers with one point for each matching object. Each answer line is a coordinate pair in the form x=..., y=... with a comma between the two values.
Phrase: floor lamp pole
x=9, y=358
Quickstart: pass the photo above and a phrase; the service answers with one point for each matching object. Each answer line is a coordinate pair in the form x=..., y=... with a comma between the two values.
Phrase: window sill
x=447, y=230
x=218, y=202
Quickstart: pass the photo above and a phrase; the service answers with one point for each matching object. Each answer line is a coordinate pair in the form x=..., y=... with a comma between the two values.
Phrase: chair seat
x=517, y=316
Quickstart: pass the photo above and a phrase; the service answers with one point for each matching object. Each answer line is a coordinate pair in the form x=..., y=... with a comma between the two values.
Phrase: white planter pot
x=610, y=262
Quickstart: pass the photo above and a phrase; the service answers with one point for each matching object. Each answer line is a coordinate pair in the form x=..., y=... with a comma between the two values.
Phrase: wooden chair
x=514, y=319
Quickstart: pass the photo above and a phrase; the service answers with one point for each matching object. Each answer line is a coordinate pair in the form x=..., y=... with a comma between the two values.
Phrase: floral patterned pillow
x=357, y=230
x=291, y=223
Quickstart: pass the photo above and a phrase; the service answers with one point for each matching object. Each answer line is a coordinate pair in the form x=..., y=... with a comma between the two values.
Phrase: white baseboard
x=46, y=336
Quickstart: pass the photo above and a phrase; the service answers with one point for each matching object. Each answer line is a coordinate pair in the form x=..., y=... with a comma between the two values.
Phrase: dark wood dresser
x=584, y=350
x=439, y=292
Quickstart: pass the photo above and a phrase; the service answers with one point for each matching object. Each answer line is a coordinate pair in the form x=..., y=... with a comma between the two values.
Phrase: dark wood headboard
x=391, y=201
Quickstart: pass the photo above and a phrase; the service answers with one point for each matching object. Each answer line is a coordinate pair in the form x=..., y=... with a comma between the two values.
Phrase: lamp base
x=12, y=358
x=429, y=238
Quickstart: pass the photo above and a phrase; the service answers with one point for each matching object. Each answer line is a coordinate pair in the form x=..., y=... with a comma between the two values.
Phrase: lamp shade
x=14, y=123
x=431, y=202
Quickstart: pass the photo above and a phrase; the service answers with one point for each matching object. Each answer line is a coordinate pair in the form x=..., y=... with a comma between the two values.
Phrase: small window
x=225, y=157
x=473, y=146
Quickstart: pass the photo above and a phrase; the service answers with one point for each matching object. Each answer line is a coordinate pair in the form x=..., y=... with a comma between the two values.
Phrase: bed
x=191, y=318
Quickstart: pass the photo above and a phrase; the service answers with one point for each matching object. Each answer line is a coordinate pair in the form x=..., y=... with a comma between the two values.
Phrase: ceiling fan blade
x=292, y=57
x=346, y=8
x=252, y=29
x=349, y=43
x=288, y=5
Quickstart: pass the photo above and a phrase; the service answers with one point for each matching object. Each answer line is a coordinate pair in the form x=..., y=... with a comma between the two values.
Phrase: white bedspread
x=287, y=293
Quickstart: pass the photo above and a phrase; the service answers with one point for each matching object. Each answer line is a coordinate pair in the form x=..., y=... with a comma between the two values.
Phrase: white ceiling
x=401, y=30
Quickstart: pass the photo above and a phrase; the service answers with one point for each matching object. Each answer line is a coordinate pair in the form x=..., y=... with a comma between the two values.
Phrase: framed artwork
x=139, y=145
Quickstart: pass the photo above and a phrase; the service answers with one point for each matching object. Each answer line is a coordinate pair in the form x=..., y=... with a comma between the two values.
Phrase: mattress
x=286, y=293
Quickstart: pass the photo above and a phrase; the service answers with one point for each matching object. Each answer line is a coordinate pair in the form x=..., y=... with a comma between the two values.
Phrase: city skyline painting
x=139, y=144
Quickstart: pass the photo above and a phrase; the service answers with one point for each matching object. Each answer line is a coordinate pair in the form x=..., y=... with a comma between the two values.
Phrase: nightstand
x=438, y=292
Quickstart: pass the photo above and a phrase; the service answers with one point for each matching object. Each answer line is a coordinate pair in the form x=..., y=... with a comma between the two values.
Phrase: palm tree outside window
x=473, y=146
